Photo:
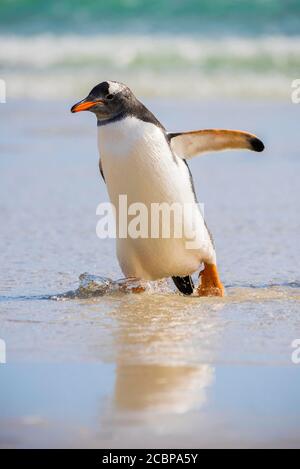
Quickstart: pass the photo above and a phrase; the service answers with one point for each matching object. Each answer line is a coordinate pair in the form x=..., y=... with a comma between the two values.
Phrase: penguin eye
x=109, y=97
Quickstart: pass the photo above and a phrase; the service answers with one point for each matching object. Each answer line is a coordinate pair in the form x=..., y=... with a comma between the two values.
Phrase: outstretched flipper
x=184, y=284
x=186, y=145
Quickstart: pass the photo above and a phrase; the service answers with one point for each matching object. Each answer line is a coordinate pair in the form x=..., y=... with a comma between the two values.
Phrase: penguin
x=139, y=158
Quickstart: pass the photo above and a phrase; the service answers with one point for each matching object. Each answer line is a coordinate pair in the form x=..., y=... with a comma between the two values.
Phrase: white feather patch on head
x=114, y=87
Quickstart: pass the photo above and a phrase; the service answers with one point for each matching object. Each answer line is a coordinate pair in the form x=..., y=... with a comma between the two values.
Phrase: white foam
x=49, y=66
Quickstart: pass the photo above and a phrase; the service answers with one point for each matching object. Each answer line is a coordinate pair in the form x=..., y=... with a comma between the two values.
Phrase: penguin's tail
x=184, y=284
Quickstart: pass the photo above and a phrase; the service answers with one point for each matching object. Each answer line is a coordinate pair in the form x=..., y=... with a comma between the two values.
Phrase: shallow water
x=90, y=365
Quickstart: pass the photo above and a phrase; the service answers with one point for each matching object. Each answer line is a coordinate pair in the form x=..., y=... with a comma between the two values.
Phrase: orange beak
x=85, y=105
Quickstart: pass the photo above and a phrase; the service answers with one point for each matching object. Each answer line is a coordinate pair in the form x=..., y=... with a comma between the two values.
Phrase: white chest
x=137, y=162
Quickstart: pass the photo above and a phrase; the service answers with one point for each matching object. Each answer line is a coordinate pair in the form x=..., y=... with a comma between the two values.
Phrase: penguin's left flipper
x=184, y=284
x=101, y=169
x=186, y=145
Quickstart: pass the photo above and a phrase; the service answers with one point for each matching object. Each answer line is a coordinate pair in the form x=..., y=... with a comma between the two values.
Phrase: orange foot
x=131, y=285
x=138, y=289
x=210, y=282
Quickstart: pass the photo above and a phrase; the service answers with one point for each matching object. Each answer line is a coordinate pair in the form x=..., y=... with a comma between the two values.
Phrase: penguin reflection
x=160, y=360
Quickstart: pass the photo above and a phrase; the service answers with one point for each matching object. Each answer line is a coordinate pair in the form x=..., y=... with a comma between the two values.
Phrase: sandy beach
x=155, y=369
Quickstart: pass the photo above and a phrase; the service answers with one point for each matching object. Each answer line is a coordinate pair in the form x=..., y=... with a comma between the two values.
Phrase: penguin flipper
x=184, y=284
x=189, y=144
x=101, y=169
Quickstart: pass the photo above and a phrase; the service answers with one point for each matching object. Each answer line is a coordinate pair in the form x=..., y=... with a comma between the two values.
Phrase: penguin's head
x=107, y=100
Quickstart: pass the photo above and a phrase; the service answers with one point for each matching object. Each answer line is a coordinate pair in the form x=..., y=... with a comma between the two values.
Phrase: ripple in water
x=91, y=286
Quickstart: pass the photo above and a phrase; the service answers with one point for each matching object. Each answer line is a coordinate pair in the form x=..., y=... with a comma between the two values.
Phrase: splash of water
x=91, y=286
x=94, y=286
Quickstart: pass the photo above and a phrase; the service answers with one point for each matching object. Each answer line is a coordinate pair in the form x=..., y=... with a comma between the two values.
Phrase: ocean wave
x=206, y=16
x=235, y=66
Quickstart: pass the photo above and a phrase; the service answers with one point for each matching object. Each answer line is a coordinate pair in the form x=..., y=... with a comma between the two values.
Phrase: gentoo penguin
x=143, y=161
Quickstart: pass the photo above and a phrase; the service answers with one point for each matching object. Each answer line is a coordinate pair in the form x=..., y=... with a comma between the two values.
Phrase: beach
x=155, y=369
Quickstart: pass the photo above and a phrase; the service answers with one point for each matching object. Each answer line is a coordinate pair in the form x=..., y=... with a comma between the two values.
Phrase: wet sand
x=154, y=369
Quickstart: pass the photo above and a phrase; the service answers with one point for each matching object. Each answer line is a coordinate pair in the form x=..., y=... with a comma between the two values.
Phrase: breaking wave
x=50, y=66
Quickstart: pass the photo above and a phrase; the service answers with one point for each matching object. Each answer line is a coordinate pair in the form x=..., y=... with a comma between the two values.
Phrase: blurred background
x=156, y=369
x=219, y=48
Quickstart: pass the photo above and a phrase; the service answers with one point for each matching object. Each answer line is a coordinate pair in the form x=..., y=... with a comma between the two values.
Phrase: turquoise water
x=222, y=16
x=225, y=48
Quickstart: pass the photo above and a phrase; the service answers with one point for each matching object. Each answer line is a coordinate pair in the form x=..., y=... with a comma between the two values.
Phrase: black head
x=107, y=100
x=112, y=101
